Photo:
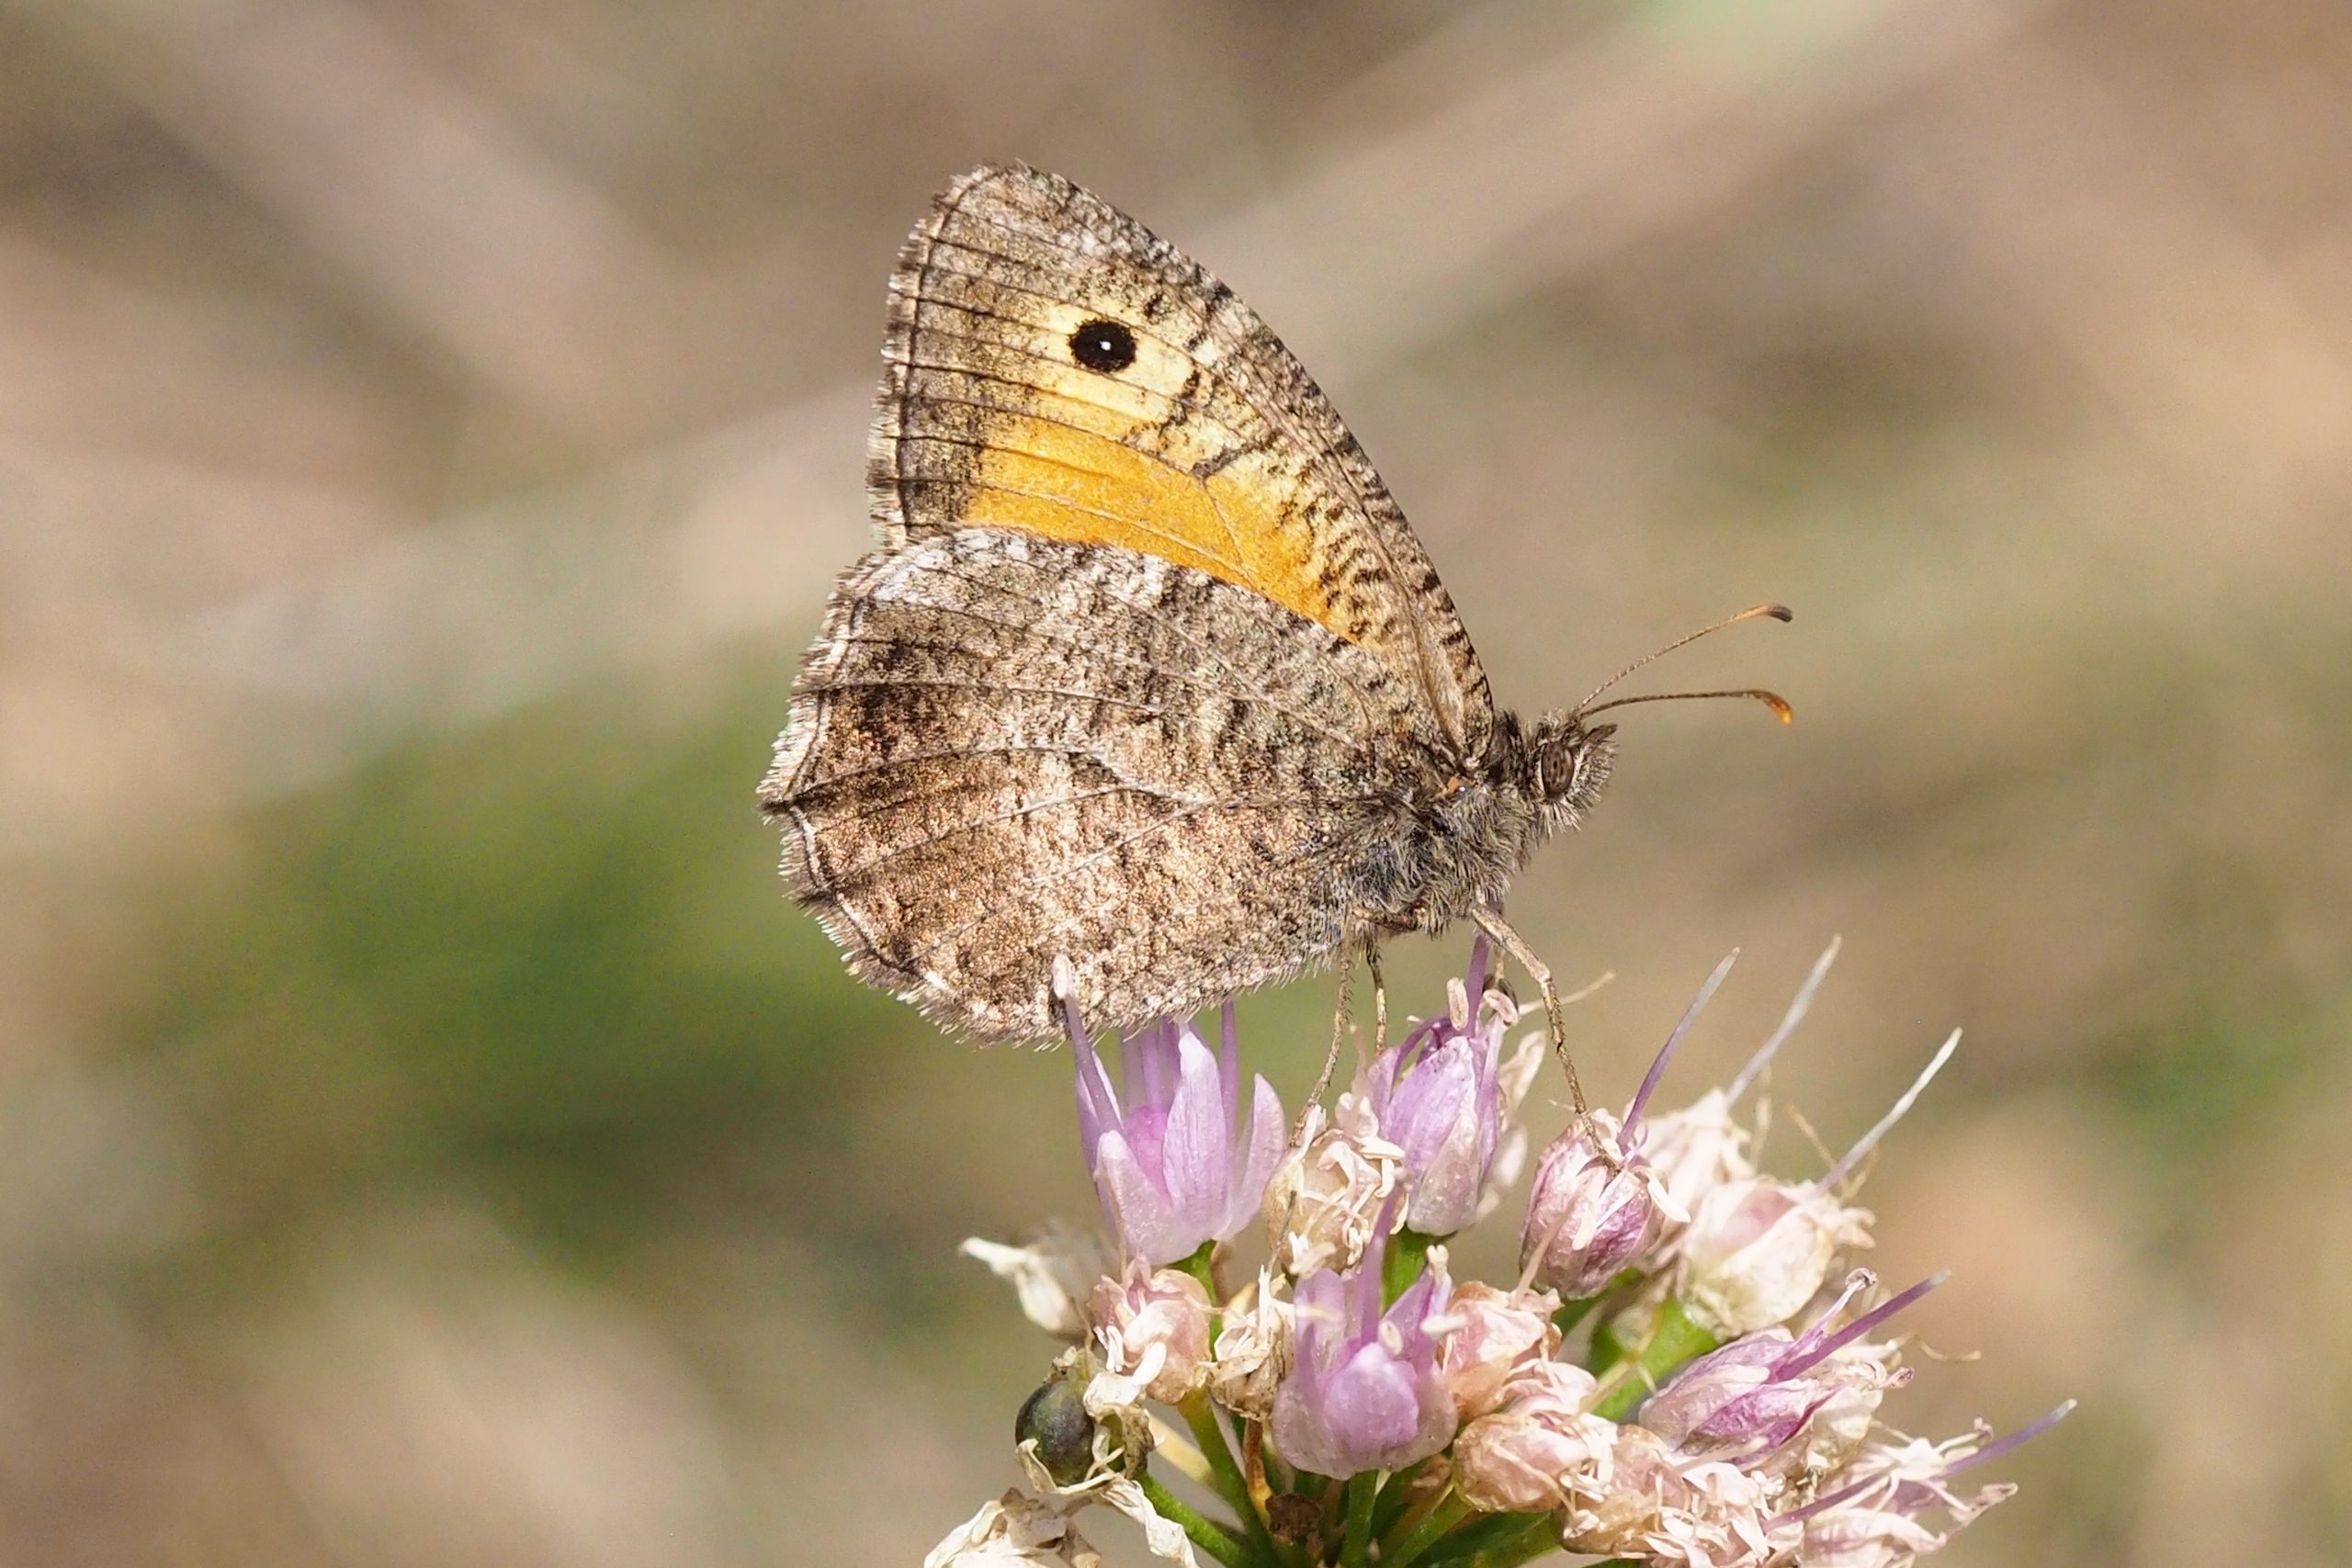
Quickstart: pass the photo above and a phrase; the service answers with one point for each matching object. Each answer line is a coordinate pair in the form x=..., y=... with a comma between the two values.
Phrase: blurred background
x=428, y=431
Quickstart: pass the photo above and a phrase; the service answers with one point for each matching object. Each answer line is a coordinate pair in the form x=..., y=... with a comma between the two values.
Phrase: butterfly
x=1147, y=694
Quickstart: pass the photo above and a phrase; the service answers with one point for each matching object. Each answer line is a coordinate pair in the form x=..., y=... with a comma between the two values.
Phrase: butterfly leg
x=1515, y=945
x=1330, y=1057
x=1342, y=1020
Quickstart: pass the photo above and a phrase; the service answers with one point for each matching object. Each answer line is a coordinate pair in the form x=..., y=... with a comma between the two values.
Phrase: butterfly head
x=1568, y=763
x=1565, y=757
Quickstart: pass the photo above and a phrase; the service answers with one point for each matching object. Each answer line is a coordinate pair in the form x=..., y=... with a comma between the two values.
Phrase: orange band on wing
x=1041, y=477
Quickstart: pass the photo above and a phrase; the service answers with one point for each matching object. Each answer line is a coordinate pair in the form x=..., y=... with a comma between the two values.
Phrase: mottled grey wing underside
x=1005, y=749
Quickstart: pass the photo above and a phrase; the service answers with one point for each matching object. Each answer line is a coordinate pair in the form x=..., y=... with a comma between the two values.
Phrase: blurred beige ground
x=427, y=432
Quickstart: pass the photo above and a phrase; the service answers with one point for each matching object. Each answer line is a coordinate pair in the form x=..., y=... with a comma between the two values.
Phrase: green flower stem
x=1607, y=1351
x=1495, y=1542
x=1396, y=1493
x=1224, y=1474
x=1362, y=1491
x=1542, y=1542
x=1202, y=1531
x=1575, y=1312
x=1198, y=1266
x=1676, y=1339
x=1433, y=1526
x=1408, y=1255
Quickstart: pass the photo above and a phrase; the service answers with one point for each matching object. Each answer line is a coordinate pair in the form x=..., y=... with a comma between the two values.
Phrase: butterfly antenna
x=1771, y=700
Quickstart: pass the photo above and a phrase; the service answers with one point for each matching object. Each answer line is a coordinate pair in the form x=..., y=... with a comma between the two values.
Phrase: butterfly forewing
x=1149, y=671
x=1208, y=444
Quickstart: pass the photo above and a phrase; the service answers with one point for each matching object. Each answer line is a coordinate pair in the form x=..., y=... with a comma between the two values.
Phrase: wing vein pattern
x=1147, y=671
x=971, y=790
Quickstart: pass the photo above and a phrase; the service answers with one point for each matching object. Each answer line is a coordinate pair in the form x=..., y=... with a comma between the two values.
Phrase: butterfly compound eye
x=1102, y=346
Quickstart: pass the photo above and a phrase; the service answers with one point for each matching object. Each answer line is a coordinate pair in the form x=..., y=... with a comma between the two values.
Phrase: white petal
x=1048, y=1277
x=1014, y=1531
x=1164, y=1537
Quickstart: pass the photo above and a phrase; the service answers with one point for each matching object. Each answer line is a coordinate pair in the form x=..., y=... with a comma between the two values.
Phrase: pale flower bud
x=1154, y=1326
x=1331, y=1191
x=1594, y=1211
x=1496, y=1334
x=1598, y=1207
x=1757, y=1251
x=1697, y=1149
x=1541, y=1449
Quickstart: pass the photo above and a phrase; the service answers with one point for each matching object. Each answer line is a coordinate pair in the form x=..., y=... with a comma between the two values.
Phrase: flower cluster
x=1680, y=1375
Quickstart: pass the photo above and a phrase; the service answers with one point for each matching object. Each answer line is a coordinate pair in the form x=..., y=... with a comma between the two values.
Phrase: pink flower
x=1598, y=1207
x=1875, y=1522
x=1749, y=1401
x=1175, y=1164
x=1364, y=1392
x=1757, y=1251
x=1439, y=1097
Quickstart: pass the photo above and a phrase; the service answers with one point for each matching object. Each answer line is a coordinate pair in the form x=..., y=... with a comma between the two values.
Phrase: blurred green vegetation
x=547, y=962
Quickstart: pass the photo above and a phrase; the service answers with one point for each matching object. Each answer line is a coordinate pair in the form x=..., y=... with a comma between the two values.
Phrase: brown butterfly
x=1148, y=675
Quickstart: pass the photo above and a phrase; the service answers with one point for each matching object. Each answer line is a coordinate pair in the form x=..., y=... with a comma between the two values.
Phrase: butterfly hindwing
x=1007, y=748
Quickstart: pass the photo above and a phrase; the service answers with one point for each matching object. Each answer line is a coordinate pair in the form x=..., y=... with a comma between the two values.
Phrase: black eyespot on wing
x=1107, y=347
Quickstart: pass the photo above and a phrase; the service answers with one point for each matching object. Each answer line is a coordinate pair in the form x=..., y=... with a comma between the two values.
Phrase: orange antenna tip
x=1777, y=611
x=1773, y=700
